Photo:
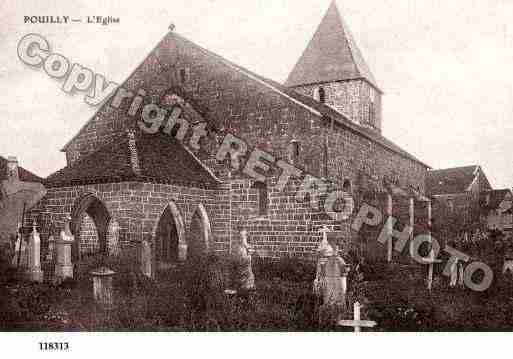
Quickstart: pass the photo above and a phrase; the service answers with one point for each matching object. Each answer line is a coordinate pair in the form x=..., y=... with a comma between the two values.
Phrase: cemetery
x=149, y=228
x=242, y=292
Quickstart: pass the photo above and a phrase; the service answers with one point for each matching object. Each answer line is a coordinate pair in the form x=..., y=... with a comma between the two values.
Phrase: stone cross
x=63, y=265
x=34, y=272
x=357, y=323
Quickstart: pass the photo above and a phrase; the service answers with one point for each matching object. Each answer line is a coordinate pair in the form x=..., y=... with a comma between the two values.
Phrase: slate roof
x=450, y=180
x=331, y=55
x=25, y=176
x=154, y=158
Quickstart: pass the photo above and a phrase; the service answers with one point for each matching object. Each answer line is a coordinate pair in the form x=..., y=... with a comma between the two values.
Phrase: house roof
x=140, y=157
x=331, y=55
x=450, y=180
x=495, y=198
x=25, y=175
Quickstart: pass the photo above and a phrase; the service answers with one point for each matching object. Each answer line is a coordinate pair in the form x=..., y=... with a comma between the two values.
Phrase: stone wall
x=137, y=208
x=288, y=227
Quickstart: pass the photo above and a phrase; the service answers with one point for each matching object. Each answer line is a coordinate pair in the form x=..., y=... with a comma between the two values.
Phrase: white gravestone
x=20, y=251
x=64, y=265
x=146, y=258
x=331, y=278
x=34, y=271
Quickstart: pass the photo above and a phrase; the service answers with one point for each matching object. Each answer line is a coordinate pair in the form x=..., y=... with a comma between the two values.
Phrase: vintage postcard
x=248, y=166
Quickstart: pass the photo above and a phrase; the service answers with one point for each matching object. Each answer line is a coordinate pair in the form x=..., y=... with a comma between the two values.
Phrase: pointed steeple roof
x=331, y=55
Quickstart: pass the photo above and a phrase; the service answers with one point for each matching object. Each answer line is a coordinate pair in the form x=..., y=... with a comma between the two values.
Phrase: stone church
x=123, y=185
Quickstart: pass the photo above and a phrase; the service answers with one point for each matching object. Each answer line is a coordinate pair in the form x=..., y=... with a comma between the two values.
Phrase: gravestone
x=64, y=265
x=243, y=276
x=146, y=258
x=34, y=272
x=102, y=287
x=331, y=277
x=20, y=258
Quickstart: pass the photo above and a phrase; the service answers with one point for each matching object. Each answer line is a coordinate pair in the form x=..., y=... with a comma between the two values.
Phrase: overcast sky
x=445, y=66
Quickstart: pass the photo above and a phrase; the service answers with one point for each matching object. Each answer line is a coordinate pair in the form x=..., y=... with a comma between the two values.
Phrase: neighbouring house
x=19, y=189
x=457, y=194
x=326, y=120
x=497, y=208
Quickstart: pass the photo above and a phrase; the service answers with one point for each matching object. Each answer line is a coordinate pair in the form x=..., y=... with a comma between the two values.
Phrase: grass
x=191, y=298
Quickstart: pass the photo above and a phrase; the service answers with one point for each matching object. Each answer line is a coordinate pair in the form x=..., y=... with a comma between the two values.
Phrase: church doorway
x=89, y=223
x=170, y=242
x=200, y=233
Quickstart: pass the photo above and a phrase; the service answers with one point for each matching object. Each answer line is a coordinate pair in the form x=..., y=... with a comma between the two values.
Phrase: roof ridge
x=250, y=74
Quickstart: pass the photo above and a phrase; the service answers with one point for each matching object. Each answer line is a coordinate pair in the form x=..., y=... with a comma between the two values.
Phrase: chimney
x=12, y=169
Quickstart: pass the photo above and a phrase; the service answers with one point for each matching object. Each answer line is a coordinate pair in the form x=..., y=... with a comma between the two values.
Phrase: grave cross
x=357, y=323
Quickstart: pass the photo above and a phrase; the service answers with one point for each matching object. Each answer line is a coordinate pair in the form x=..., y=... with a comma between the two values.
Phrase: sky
x=444, y=66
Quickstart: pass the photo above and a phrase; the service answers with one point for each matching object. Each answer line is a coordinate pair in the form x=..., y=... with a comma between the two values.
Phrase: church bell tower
x=333, y=71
